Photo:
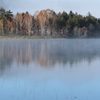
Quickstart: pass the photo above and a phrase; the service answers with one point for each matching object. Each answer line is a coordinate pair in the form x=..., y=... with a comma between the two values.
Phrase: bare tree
x=18, y=23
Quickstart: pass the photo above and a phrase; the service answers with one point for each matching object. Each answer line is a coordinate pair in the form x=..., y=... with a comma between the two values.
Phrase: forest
x=48, y=23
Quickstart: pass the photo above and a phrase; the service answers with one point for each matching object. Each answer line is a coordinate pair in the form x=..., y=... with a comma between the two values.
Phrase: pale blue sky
x=79, y=6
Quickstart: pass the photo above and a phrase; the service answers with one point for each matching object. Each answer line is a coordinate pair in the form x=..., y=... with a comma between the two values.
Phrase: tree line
x=49, y=23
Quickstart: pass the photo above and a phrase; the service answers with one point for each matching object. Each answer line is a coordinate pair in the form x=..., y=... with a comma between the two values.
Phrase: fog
x=47, y=53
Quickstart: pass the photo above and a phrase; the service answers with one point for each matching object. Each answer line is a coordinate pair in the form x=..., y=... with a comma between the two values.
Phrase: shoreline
x=45, y=37
x=32, y=37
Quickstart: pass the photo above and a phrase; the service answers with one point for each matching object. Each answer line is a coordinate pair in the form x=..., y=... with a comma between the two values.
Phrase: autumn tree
x=47, y=22
x=1, y=27
x=45, y=19
x=18, y=20
x=28, y=23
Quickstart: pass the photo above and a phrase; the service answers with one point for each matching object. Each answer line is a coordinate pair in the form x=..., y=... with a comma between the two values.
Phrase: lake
x=50, y=69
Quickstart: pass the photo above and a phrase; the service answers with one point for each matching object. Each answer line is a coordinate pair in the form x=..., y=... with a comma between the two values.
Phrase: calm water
x=50, y=69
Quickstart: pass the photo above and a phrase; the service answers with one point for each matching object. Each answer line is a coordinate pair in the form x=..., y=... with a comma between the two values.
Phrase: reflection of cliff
x=48, y=52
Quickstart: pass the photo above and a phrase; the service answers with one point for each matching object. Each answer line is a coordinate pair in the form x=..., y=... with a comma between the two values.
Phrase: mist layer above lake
x=49, y=69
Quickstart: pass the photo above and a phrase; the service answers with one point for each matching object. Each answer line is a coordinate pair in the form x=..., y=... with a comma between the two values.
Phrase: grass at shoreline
x=44, y=37
x=30, y=37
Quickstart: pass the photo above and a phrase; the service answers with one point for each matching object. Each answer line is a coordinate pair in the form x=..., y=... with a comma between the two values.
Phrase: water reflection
x=47, y=53
x=53, y=69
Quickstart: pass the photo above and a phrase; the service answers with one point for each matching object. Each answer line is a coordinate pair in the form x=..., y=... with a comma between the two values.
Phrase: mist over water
x=49, y=69
x=49, y=52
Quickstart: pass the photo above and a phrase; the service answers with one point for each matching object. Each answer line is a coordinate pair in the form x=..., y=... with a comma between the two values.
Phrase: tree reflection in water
x=48, y=52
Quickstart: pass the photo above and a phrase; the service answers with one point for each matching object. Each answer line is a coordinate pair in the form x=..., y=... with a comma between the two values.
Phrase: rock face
x=46, y=21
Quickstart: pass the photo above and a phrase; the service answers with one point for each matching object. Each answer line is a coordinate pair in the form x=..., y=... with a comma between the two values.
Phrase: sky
x=80, y=6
